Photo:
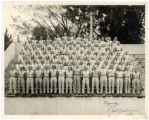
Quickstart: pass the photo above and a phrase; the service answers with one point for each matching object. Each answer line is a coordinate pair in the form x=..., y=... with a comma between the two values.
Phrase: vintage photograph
x=74, y=59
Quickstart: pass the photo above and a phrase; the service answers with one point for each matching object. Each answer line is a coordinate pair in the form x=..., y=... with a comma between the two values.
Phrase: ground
x=74, y=106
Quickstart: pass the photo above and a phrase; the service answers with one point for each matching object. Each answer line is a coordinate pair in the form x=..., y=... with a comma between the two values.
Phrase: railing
x=9, y=54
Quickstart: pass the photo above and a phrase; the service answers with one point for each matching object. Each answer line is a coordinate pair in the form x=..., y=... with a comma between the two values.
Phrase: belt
x=29, y=77
x=119, y=77
x=103, y=75
x=53, y=76
x=69, y=77
x=76, y=74
x=95, y=76
x=61, y=75
x=46, y=76
x=85, y=77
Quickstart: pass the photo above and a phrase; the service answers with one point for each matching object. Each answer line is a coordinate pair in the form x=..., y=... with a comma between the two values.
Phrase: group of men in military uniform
x=75, y=66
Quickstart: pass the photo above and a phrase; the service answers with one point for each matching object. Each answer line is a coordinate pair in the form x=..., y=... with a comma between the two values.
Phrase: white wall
x=9, y=54
x=134, y=48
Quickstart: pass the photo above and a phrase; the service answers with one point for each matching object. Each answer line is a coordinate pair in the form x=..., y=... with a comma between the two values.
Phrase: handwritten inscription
x=114, y=108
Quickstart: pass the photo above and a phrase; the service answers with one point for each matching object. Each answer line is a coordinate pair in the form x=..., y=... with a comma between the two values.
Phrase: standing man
x=95, y=80
x=69, y=77
x=111, y=76
x=85, y=75
x=76, y=81
x=61, y=79
x=136, y=82
x=53, y=79
x=21, y=82
x=12, y=81
x=127, y=80
x=38, y=80
x=46, y=82
x=119, y=81
x=103, y=80
x=30, y=81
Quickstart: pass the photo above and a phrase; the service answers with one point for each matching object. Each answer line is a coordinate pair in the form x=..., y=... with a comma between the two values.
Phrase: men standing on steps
x=46, y=81
x=85, y=82
x=53, y=79
x=76, y=80
x=38, y=80
x=103, y=80
x=136, y=82
x=111, y=78
x=119, y=81
x=127, y=80
x=21, y=81
x=30, y=81
x=95, y=80
x=12, y=81
x=69, y=77
x=61, y=79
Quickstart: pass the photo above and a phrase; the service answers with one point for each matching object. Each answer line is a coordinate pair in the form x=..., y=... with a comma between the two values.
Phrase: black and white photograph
x=74, y=58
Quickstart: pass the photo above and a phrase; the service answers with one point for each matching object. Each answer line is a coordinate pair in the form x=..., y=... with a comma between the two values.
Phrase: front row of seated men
x=73, y=80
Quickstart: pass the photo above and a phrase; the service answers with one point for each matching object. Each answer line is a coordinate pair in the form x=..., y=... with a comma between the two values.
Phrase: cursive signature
x=114, y=108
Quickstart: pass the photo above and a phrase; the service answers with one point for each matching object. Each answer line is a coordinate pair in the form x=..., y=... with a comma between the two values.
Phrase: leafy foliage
x=7, y=39
x=124, y=22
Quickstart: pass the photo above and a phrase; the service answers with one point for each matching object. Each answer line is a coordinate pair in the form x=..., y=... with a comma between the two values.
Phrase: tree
x=40, y=31
x=124, y=22
x=7, y=39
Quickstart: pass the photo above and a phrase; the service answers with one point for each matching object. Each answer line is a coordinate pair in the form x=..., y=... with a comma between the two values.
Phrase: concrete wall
x=134, y=48
x=9, y=54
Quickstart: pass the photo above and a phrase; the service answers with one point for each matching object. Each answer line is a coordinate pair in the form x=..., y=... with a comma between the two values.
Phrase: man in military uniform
x=61, y=79
x=76, y=80
x=21, y=82
x=30, y=81
x=53, y=80
x=85, y=82
x=12, y=81
x=46, y=82
x=69, y=77
x=127, y=80
x=38, y=80
x=111, y=78
x=103, y=80
x=119, y=81
x=136, y=82
x=95, y=80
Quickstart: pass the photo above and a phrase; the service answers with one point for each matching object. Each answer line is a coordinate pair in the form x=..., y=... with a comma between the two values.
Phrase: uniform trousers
x=85, y=83
x=76, y=83
x=29, y=83
x=95, y=82
x=135, y=85
x=111, y=84
x=46, y=84
x=21, y=84
x=119, y=85
x=38, y=84
x=103, y=83
x=53, y=84
x=61, y=82
x=127, y=85
x=69, y=84
x=12, y=85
